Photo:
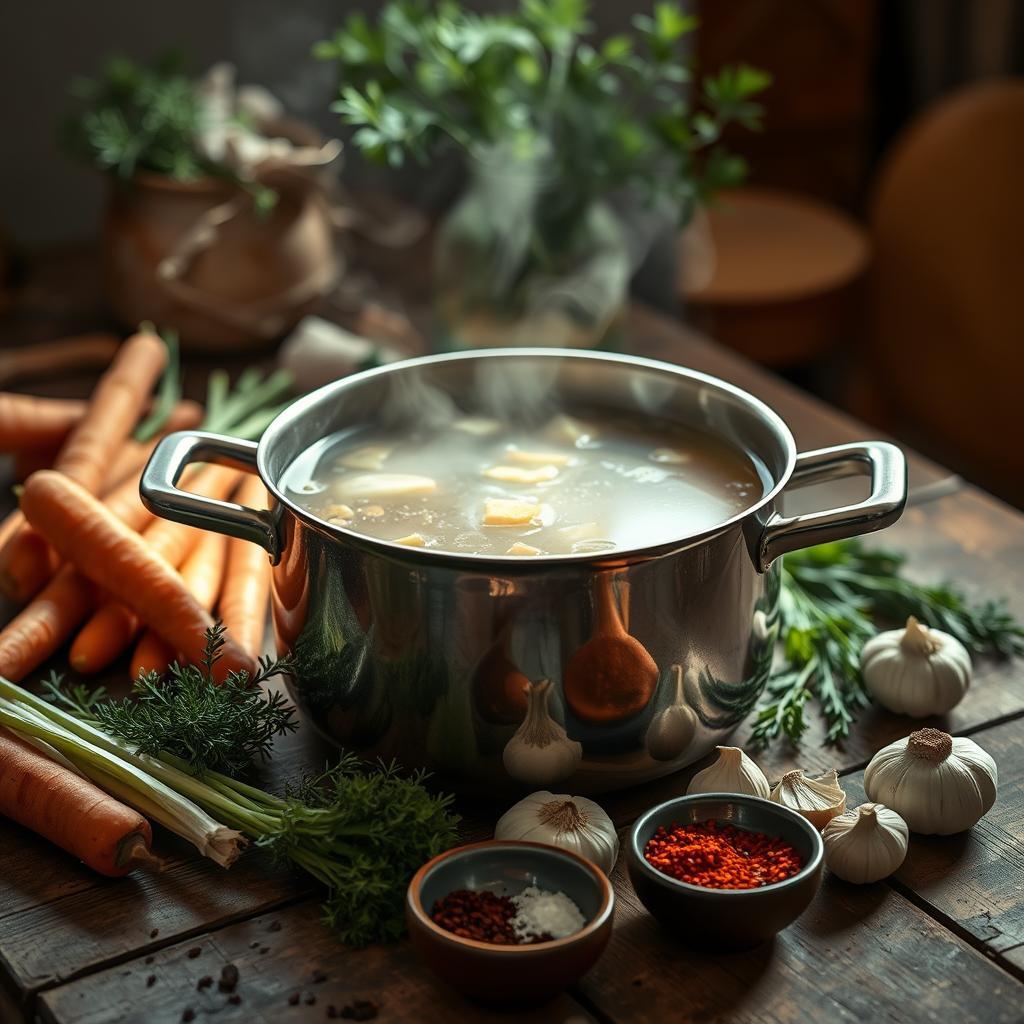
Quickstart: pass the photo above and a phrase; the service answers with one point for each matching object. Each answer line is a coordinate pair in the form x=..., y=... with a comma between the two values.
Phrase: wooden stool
x=780, y=281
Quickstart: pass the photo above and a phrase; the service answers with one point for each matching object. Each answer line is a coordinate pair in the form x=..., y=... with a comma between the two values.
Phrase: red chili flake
x=481, y=915
x=719, y=856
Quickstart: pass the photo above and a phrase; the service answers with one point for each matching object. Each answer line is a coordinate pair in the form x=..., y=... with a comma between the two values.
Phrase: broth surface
x=568, y=487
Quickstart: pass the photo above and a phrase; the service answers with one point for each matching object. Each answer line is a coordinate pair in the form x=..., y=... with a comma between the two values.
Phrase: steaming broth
x=478, y=487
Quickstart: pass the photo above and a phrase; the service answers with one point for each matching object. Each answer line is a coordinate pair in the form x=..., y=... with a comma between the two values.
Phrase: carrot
x=70, y=811
x=115, y=404
x=51, y=617
x=113, y=555
x=56, y=358
x=243, y=604
x=202, y=573
x=27, y=421
x=112, y=626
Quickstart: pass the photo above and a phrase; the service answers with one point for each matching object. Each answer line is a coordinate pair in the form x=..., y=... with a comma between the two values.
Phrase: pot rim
x=288, y=417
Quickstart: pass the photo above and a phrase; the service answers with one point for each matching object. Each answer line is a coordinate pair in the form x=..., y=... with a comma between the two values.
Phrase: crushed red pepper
x=719, y=856
x=481, y=915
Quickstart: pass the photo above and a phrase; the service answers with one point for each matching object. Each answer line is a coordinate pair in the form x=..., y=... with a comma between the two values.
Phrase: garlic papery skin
x=733, y=772
x=818, y=800
x=571, y=822
x=866, y=844
x=672, y=729
x=540, y=752
x=938, y=785
x=916, y=671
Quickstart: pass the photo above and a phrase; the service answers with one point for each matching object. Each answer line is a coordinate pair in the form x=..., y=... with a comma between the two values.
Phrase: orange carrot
x=202, y=573
x=27, y=421
x=243, y=604
x=112, y=626
x=43, y=625
x=70, y=811
x=113, y=555
x=56, y=358
x=114, y=407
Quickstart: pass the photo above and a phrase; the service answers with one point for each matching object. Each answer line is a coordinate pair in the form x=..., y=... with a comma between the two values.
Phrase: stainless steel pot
x=421, y=655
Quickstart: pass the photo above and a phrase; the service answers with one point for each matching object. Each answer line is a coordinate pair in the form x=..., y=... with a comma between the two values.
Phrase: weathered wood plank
x=112, y=919
x=975, y=880
x=277, y=956
x=857, y=954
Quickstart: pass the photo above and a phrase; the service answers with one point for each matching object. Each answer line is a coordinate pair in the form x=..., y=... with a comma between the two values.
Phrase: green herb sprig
x=833, y=599
x=621, y=112
x=212, y=727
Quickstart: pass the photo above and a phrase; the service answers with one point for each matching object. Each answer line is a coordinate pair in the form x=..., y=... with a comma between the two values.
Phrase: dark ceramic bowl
x=726, y=919
x=510, y=974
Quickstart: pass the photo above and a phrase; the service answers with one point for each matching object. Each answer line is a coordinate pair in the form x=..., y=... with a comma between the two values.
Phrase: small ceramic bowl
x=510, y=974
x=726, y=919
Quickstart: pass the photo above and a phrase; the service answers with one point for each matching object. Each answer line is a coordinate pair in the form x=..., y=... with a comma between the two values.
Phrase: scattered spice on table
x=293, y=999
x=228, y=978
x=204, y=982
x=719, y=856
x=274, y=926
x=235, y=999
x=358, y=1009
x=151, y=981
x=532, y=916
x=188, y=1015
x=194, y=952
x=311, y=999
x=319, y=976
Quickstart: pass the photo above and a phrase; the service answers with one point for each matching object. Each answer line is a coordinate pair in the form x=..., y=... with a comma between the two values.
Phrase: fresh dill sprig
x=210, y=726
x=833, y=599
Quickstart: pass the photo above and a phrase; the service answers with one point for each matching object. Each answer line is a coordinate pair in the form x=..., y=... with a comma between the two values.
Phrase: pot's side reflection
x=429, y=664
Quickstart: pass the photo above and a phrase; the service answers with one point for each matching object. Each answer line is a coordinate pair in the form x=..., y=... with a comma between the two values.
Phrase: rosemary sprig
x=210, y=727
x=834, y=598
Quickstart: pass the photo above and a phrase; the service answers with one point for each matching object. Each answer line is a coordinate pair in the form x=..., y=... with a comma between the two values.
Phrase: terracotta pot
x=196, y=257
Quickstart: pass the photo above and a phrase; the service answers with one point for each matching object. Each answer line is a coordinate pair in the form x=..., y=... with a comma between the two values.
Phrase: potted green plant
x=552, y=124
x=216, y=223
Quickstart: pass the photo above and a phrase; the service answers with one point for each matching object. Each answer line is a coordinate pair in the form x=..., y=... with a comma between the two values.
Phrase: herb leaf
x=212, y=727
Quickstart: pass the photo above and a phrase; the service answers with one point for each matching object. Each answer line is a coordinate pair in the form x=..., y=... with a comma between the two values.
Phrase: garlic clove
x=866, y=844
x=818, y=800
x=733, y=772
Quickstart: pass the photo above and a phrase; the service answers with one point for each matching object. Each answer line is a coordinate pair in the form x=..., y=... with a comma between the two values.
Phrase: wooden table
x=943, y=940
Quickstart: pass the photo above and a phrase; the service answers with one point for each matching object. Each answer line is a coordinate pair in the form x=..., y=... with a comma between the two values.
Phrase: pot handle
x=883, y=462
x=161, y=495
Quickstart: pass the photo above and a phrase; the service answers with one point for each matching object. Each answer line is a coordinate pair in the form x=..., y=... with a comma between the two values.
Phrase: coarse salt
x=545, y=913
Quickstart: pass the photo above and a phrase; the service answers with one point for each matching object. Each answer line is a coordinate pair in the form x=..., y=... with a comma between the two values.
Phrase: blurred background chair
x=942, y=361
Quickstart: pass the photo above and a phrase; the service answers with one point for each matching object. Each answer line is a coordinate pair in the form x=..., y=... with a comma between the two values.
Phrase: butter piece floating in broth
x=509, y=512
x=538, y=458
x=669, y=455
x=565, y=428
x=383, y=485
x=580, y=531
x=519, y=548
x=478, y=426
x=373, y=511
x=413, y=540
x=339, y=513
x=521, y=475
x=370, y=457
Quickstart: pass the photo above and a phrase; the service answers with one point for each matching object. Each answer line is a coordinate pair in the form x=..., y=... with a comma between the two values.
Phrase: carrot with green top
x=114, y=408
x=243, y=603
x=70, y=811
x=113, y=555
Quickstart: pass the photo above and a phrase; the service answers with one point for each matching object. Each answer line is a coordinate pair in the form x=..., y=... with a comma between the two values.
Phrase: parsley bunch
x=833, y=598
x=622, y=113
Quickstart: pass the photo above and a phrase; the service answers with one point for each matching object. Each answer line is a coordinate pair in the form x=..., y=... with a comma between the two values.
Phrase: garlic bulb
x=733, y=772
x=540, y=752
x=938, y=784
x=916, y=671
x=572, y=822
x=866, y=844
x=672, y=729
x=818, y=800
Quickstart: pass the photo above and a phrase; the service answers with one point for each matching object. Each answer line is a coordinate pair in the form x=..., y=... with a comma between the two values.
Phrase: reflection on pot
x=612, y=676
x=541, y=752
x=673, y=727
x=499, y=688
